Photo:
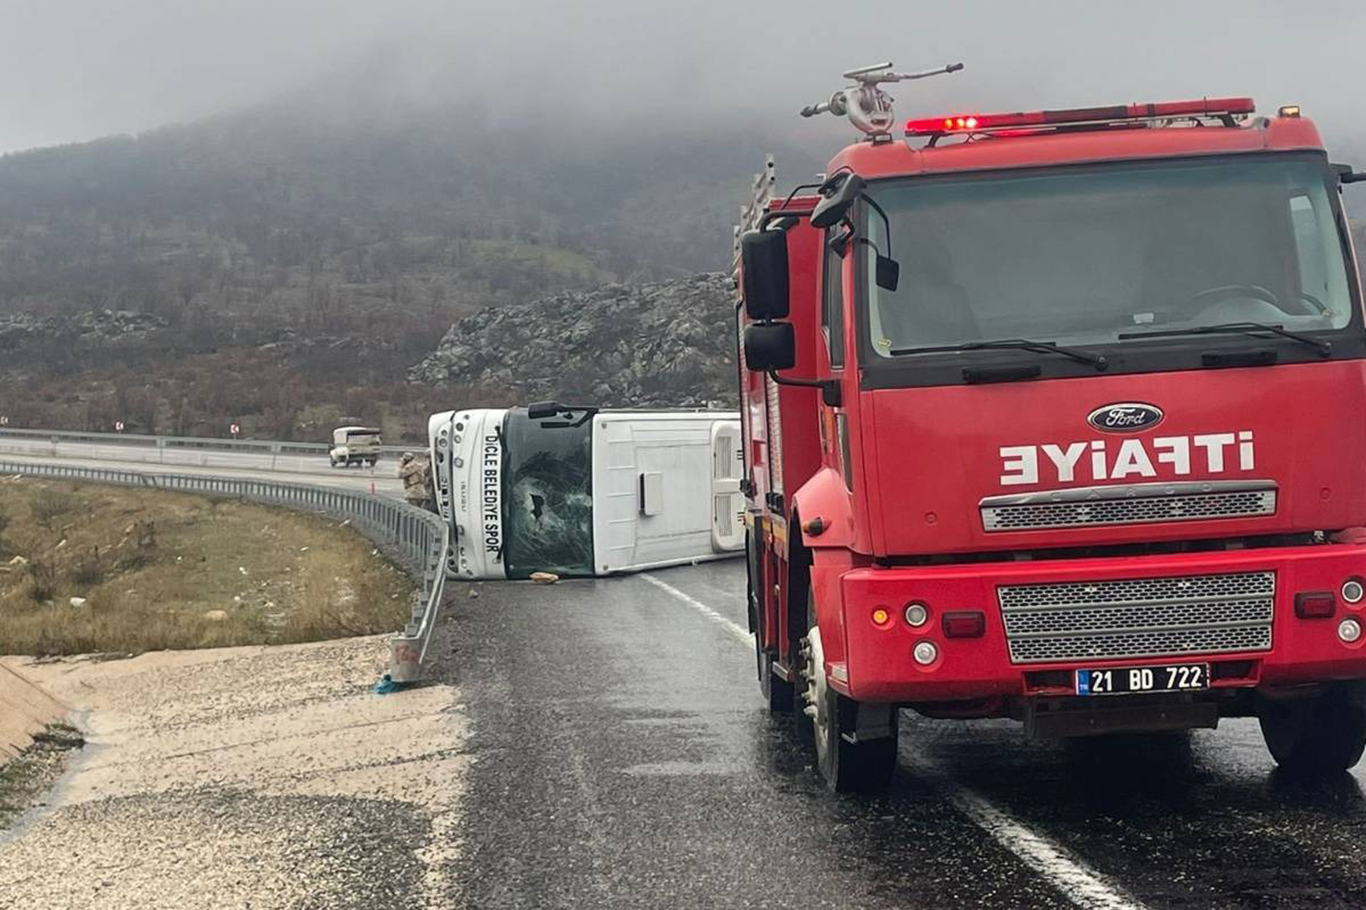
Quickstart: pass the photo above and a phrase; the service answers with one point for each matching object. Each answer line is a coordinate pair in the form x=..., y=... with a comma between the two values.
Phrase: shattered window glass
x=548, y=496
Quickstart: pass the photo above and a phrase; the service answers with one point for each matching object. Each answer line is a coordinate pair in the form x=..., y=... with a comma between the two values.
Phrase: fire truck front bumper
x=1273, y=617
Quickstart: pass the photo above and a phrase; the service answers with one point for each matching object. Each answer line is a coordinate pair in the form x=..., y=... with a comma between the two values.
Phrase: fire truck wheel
x=847, y=767
x=1322, y=735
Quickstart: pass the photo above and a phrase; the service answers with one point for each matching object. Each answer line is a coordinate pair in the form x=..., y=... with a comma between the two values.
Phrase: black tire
x=1317, y=736
x=849, y=767
x=864, y=767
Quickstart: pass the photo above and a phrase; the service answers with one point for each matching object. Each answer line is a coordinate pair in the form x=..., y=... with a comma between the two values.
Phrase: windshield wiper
x=1246, y=328
x=1099, y=361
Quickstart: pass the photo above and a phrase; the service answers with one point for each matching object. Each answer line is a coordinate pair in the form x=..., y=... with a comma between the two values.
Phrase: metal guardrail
x=416, y=539
x=268, y=446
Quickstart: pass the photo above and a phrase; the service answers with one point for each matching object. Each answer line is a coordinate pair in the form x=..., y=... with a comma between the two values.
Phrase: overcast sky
x=76, y=70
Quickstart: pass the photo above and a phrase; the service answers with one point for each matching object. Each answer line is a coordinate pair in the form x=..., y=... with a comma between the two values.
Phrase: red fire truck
x=1057, y=416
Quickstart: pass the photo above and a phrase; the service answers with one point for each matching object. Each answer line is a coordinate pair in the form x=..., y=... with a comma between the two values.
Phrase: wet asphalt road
x=623, y=759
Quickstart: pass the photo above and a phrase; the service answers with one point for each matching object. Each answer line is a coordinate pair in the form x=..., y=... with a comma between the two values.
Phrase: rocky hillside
x=23, y=330
x=671, y=343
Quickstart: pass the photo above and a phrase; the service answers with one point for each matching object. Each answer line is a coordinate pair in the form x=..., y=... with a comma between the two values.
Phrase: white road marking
x=1078, y=882
x=735, y=629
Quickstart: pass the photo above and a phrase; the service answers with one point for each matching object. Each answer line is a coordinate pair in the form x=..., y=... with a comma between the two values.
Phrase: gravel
x=244, y=777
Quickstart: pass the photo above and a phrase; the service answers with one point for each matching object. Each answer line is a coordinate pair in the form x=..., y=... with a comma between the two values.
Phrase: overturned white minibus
x=581, y=492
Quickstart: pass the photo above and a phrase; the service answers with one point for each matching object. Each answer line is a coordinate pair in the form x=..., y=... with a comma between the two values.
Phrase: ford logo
x=1125, y=417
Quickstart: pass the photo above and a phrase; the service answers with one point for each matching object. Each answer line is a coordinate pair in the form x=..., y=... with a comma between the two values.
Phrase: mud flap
x=871, y=722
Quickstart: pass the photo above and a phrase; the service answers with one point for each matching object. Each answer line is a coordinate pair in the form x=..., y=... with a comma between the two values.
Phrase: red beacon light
x=1224, y=109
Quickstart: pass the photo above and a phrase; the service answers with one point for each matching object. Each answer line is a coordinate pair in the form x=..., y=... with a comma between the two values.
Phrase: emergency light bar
x=1119, y=113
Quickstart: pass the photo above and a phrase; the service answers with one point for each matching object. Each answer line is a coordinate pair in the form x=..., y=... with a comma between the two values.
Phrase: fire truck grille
x=1142, y=617
x=1136, y=510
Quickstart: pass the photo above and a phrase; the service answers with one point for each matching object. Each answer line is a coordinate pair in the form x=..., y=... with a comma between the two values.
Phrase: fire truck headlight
x=917, y=614
x=925, y=652
x=1349, y=630
x=1352, y=591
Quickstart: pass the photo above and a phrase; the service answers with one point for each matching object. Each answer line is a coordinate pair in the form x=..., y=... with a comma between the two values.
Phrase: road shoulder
x=243, y=776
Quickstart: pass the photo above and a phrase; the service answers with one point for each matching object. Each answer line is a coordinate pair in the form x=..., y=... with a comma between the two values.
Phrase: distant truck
x=585, y=492
x=355, y=445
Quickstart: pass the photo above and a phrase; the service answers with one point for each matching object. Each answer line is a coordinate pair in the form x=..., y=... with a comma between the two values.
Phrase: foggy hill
x=327, y=240
x=302, y=180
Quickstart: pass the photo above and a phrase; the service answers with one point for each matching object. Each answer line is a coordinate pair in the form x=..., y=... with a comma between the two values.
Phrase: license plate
x=1125, y=680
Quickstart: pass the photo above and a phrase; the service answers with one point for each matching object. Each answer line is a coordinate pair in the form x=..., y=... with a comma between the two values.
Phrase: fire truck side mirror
x=1347, y=175
x=839, y=193
x=763, y=263
x=770, y=346
x=888, y=273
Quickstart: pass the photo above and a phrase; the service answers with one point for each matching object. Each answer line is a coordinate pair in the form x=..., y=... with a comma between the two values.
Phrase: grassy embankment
x=105, y=569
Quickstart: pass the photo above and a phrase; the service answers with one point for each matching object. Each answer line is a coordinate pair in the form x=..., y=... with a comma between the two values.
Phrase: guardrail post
x=405, y=659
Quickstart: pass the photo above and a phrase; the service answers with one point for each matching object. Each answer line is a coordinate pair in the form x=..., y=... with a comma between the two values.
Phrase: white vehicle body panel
x=656, y=498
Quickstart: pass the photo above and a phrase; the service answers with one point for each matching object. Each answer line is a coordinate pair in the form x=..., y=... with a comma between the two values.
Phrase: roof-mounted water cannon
x=866, y=105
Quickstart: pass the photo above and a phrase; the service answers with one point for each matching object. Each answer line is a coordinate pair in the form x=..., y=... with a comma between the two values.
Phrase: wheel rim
x=817, y=705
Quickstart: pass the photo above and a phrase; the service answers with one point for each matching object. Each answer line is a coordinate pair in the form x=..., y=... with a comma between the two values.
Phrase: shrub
x=50, y=505
x=42, y=576
x=89, y=570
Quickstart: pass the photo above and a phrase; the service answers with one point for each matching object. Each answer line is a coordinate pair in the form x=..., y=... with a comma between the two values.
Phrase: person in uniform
x=416, y=473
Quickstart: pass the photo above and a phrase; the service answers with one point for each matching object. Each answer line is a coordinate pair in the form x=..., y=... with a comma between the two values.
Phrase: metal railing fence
x=416, y=539
x=264, y=446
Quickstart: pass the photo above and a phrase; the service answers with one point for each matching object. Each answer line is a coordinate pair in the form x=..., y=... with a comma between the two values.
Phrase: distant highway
x=309, y=469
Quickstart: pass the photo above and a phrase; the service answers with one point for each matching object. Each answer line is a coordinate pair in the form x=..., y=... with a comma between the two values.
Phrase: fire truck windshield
x=1095, y=255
